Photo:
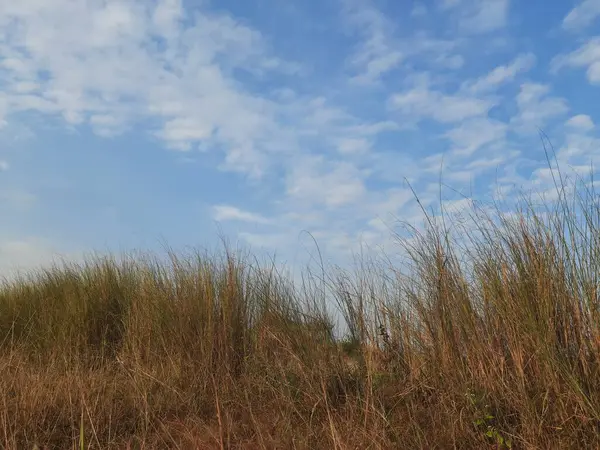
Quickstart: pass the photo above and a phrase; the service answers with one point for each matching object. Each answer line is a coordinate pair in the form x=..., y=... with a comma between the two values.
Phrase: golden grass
x=490, y=341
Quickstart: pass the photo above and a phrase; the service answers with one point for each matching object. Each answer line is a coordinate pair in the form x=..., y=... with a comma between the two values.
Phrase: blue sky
x=126, y=123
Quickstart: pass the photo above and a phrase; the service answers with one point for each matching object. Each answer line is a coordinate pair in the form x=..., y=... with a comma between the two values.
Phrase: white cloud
x=377, y=54
x=436, y=53
x=582, y=15
x=581, y=122
x=268, y=241
x=588, y=55
x=579, y=149
x=341, y=233
x=422, y=102
x=450, y=61
x=485, y=16
x=536, y=107
x=316, y=181
x=478, y=16
x=457, y=206
x=501, y=74
x=106, y=69
x=166, y=16
x=25, y=87
x=376, y=66
x=390, y=201
x=473, y=134
x=106, y=124
x=593, y=72
x=352, y=146
x=477, y=165
x=321, y=123
x=380, y=51
x=225, y=213
x=180, y=131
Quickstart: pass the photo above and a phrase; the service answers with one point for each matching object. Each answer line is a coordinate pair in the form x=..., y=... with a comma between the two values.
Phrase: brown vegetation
x=491, y=341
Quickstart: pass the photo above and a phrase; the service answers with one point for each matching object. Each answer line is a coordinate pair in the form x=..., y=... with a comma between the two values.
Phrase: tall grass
x=488, y=338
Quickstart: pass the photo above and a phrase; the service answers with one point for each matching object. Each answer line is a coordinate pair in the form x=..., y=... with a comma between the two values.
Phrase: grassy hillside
x=488, y=341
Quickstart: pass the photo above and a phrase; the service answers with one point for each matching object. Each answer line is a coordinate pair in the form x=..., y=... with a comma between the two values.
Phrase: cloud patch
x=422, y=102
x=586, y=56
x=582, y=15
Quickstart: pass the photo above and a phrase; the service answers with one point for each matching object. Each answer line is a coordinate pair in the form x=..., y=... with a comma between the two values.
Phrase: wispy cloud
x=422, y=102
x=582, y=15
x=536, y=107
x=377, y=52
x=485, y=16
x=588, y=56
x=471, y=135
x=231, y=213
x=331, y=183
x=501, y=74
x=381, y=49
x=581, y=122
x=478, y=16
x=106, y=69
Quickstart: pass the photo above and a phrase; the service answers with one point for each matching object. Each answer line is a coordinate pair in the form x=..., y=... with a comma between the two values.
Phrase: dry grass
x=489, y=341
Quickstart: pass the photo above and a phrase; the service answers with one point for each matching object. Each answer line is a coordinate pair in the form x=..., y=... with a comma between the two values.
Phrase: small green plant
x=81, y=433
x=484, y=421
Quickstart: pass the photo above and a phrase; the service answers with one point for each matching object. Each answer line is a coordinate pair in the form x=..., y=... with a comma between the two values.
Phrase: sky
x=128, y=124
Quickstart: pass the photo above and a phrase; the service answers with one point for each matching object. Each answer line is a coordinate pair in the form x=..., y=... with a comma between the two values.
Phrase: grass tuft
x=488, y=337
